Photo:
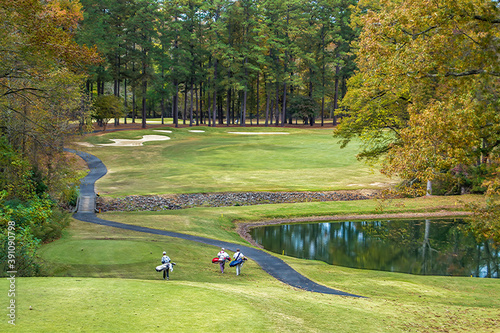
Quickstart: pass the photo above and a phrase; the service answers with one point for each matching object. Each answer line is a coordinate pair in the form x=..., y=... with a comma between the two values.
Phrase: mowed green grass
x=217, y=161
x=103, y=278
x=105, y=281
x=219, y=223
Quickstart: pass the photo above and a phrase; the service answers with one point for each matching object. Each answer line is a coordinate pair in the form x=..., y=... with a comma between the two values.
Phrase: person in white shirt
x=165, y=260
x=223, y=256
x=239, y=256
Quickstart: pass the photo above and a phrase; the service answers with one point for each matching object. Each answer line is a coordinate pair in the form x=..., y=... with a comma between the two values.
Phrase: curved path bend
x=271, y=264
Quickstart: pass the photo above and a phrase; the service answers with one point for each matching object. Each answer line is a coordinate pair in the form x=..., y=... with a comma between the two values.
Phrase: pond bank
x=243, y=229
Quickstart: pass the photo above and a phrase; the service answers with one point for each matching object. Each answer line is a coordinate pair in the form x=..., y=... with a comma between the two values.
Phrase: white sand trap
x=85, y=144
x=196, y=131
x=258, y=133
x=163, y=131
x=134, y=143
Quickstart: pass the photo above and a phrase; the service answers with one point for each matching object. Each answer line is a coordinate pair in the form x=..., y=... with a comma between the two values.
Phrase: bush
x=69, y=197
x=27, y=262
x=24, y=226
x=53, y=227
x=41, y=216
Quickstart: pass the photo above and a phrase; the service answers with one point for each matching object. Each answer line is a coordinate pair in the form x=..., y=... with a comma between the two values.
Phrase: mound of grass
x=109, y=252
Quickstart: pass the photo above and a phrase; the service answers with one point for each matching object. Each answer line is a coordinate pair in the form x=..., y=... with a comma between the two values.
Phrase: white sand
x=196, y=131
x=85, y=144
x=163, y=131
x=134, y=143
x=258, y=133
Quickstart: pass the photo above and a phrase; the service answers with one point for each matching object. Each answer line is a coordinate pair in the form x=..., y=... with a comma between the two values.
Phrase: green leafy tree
x=107, y=107
x=425, y=99
x=304, y=107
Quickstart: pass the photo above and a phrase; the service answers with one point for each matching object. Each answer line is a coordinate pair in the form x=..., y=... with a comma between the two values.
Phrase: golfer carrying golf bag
x=166, y=266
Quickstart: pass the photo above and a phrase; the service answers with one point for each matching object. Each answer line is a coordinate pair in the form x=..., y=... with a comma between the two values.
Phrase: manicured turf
x=217, y=161
x=103, y=279
x=198, y=298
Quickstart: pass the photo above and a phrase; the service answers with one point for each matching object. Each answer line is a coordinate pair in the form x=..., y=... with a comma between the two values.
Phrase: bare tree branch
x=15, y=91
x=480, y=18
x=466, y=73
x=414, y=36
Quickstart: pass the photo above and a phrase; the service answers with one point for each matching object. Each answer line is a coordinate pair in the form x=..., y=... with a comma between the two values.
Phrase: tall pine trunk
x=184, y=116
x=336, y=95
x=245, y=94
x=277, y=111
x=175, y=104
x=258, y=99
x=144, y=91
x=267, y=110
x=283, y=116
x=197, y=106
x=191, y=106
x=228, y=107
x=215, y=94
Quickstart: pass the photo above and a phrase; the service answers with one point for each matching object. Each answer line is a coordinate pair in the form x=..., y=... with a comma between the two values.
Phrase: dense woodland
x=222, y=61
x=416, y=82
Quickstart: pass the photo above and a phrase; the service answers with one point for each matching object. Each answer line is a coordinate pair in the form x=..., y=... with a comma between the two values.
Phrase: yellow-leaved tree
x=425, y=98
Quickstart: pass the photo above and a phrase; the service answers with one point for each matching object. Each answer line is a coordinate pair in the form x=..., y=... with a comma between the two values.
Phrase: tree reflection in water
x=425, y=247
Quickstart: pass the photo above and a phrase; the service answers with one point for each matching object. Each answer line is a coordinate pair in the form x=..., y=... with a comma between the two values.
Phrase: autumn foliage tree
x=425, y=98
x=41, y=72
x=40, y=80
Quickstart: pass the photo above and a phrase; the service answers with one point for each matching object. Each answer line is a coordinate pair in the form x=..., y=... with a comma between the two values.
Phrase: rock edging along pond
x=180, y=201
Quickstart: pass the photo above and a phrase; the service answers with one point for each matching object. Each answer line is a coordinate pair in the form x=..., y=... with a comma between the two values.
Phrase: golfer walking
x=239, y=256
x=165, y=260
x=223, y=256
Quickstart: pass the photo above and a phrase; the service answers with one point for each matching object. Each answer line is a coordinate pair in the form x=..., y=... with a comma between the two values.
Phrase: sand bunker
x=196, y=131
x=85, y=144
x=134, y=143
x=163, y=131
x=258, y=133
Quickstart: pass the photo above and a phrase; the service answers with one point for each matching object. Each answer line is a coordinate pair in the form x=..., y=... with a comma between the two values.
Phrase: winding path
x=271, y=264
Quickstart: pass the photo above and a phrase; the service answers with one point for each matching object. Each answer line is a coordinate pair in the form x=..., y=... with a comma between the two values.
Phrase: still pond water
x=425, y=247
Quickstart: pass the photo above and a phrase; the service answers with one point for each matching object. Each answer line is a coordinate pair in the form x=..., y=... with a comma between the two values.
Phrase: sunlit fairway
x=217, y=161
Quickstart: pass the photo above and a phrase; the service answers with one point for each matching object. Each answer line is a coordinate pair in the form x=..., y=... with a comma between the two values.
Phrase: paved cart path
x=271, y=264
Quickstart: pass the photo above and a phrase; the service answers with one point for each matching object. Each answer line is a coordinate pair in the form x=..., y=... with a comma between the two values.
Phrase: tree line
x=221, y=61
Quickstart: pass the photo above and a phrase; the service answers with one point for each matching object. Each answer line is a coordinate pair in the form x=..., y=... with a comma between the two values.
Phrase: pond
x=424, y=247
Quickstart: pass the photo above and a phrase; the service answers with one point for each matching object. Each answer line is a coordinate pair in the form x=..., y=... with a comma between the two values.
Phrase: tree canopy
x=223, y=59
x=425, y=97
